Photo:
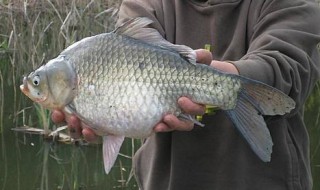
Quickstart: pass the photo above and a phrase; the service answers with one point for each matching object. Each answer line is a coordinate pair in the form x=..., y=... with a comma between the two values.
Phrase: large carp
x=122, y=83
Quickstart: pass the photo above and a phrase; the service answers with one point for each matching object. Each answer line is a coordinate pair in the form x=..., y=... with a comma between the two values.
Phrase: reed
x=1, y=101
x=32, y=32
x=312, y=119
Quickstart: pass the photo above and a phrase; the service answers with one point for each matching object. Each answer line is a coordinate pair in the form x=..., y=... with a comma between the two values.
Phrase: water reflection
x=29, y=162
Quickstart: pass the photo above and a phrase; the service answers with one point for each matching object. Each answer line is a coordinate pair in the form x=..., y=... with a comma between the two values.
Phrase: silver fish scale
x=126, y=86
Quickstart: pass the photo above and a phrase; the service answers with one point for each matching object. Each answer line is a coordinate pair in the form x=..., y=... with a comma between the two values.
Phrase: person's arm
x=283, y=47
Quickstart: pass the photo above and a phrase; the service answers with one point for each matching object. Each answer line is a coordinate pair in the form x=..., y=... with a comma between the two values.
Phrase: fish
x=122, y=83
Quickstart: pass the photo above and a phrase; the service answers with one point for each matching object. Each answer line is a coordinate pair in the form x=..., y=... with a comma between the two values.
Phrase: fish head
x=35, y=85
x=52, y=85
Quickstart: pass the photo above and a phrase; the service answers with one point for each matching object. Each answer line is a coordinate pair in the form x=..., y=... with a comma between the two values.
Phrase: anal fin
x=111, y=148
x=253, y=128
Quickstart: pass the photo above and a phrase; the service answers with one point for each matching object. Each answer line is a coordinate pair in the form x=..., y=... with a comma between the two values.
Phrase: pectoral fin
x=190, y=118
x=111, y=147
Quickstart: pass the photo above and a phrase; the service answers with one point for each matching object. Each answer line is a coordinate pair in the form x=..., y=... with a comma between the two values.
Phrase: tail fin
x=266, y=99
x=254, y=100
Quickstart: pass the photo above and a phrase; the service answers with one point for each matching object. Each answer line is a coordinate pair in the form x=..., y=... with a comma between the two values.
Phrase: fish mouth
x=25, y=89
x=24, y=86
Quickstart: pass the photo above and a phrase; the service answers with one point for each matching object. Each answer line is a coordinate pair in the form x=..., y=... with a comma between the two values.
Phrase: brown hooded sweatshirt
x=273, y=41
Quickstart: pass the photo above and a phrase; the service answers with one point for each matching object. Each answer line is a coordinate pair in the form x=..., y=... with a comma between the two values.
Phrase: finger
x=175, y=124
x=203, y=56
x=190, y=107
x=224, y=66
x=74, y=125
x=89, y=135
x=162, y=127
x=57, y=116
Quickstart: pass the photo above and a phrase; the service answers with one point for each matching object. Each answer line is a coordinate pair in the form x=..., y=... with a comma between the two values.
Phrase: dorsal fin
x=136, y=28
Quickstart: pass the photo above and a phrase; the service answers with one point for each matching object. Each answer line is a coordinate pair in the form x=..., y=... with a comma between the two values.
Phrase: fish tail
x=256, y=99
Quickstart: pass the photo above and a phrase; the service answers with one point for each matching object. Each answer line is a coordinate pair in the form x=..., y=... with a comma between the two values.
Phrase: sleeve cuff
x=256, y=70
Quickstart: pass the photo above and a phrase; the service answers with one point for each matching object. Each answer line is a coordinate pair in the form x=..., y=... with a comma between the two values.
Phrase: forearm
x=283, y=49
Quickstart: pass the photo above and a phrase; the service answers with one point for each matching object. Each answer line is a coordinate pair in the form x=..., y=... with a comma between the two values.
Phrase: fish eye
x=36, y=80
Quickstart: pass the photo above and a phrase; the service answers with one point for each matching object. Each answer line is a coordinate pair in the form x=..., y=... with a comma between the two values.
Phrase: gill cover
x=62, y=82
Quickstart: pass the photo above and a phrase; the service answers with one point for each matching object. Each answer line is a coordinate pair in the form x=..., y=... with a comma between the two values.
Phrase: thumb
x=225, y=66
x=203, y=56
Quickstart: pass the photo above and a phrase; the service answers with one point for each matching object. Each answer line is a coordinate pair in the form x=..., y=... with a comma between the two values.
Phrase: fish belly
x=128, y=109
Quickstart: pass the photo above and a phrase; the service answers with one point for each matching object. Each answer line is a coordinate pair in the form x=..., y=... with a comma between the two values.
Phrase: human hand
x=170, y=122
x=76, y=127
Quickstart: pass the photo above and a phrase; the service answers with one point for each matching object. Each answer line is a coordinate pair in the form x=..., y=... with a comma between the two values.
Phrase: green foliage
x=314, y=99
x=4, y=46
x=3, y=54
x=43, y=117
